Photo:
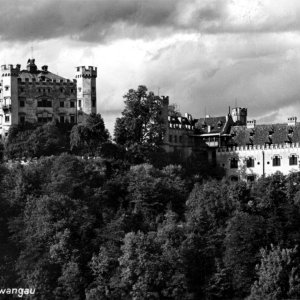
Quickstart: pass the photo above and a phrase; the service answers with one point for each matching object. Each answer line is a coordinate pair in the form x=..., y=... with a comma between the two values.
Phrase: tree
x=152, y=191
x=141, y=122
x=151, y=263
x=278, y=275
x=28, y=140
x=245, y=233
x=88, y=137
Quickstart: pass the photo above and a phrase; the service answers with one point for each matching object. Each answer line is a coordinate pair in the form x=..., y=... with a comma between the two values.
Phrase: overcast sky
x=205, y=54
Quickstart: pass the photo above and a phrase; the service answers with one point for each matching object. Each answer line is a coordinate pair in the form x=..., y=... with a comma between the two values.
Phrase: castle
x=243, y=148
x=34, y=95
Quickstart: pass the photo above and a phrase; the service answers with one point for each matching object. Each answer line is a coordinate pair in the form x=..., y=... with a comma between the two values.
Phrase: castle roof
x=211, y=125
x=265, y=134
x=39, y=74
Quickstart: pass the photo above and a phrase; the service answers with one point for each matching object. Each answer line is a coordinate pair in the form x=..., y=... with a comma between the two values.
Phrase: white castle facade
x=33, y=95
x=244, y=149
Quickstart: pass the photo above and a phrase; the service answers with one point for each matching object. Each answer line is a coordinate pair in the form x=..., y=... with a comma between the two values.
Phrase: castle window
x=61, y=104
x=234, y=178
x=49, y=90
x=79, y=103
x=293, y=160
x=62, y=119
x=233, y=163
x=6, y=87
x=72, y=119
x=22, y=119
x=61, y=90
x=250, y=178
x=175, y=138
x=22, y=103
x=72, y=91
x=72, y=104
x=79, y=89
x=6, y=118
x=276, y=161
x=180, y=139
x=93, y=103
x=170, y=138
x=44, y=103
x=250, y=162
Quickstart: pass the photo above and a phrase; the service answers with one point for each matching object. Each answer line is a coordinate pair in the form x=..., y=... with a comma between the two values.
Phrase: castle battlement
x=10, y=70
x=86, y=72
x=10, y=67
x=233, y=149
x=47, y=81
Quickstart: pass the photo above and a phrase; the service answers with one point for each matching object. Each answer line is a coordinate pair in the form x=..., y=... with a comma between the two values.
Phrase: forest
x=87, y=217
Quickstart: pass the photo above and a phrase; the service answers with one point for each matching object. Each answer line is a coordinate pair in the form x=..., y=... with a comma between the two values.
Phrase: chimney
x=188, y=116
x=251, y=124
x=292, y=121
x=45, y=68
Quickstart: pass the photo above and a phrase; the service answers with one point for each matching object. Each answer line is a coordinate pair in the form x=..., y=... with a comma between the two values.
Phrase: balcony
x=212, y=143
x=6, y=107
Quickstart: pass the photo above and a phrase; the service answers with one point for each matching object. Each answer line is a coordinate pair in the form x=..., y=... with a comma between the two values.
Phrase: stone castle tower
x=9, y=94
x=86, y=91
x=239, y=115
x=38, y=95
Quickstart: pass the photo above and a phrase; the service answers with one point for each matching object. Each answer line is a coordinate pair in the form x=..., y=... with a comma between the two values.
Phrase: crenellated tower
x=239, y=115
x=86, y=92
x=9, y=96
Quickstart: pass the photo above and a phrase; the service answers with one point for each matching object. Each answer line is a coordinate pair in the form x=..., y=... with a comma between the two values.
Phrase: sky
x=206, y=55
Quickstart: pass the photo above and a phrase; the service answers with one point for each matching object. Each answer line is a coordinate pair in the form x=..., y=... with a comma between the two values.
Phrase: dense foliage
x=78, y=228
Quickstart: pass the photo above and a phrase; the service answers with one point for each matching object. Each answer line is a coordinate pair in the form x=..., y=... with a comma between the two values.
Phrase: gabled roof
x=180, y=120
x=217, y=125
x=262, y=134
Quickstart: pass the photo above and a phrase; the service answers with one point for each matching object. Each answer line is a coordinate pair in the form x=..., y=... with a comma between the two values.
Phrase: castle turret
x=86, y=92
x=9, y=96
x=239, y=115
x=31, y=66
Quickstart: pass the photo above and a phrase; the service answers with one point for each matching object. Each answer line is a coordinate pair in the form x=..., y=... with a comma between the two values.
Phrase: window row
x=276, y=161
x=48, y=118
x=44, y=90
x=48, y=103
x=175, y=138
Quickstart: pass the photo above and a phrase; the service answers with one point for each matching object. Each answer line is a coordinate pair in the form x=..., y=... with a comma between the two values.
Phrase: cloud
x=204, y=54
x=107, y=20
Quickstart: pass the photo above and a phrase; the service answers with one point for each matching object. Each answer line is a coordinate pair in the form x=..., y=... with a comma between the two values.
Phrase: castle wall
x=8, y=96
x=263, y=160
x=34, y=95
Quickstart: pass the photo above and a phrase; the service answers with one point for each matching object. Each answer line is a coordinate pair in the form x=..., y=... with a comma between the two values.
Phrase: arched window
x=276, y=161
x=234, y=163
x=293, y=160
